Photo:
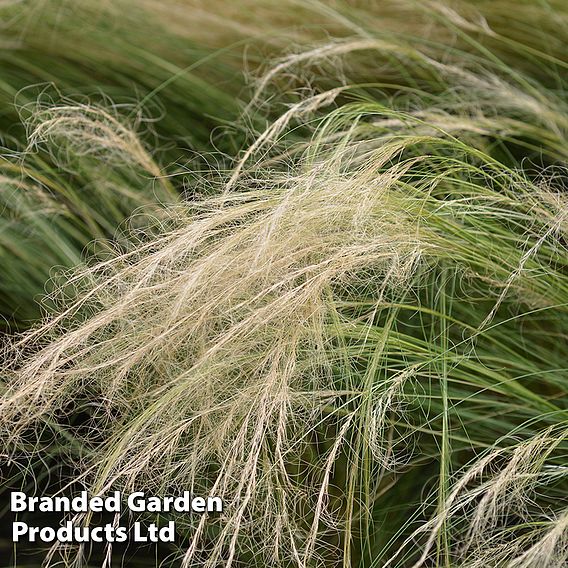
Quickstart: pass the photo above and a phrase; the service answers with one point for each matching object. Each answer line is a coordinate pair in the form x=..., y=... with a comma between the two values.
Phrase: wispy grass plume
x=359, y=342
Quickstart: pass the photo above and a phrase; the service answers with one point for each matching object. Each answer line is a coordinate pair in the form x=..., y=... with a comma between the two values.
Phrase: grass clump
x=100, y=105
x=359, y=343
x=57, y=199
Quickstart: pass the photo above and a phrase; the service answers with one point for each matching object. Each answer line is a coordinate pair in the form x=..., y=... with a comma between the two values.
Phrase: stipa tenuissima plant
x=57, y=199
x=83, y=86
x=360, y=344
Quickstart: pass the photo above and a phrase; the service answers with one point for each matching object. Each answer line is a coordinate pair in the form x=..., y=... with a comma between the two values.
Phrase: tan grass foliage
x=251, y=348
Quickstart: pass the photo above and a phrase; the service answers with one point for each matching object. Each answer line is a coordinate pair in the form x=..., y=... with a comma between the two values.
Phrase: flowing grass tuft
x=359, y=342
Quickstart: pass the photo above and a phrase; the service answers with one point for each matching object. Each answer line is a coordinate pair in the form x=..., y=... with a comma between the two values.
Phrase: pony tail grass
x=356, y=342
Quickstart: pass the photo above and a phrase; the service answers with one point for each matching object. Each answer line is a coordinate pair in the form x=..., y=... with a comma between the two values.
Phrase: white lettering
x=136, y=502
x=18, y=502
x=18, y=529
